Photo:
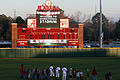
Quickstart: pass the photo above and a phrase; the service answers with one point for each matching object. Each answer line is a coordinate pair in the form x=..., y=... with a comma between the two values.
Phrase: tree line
x=5, y=26
x=111, y=29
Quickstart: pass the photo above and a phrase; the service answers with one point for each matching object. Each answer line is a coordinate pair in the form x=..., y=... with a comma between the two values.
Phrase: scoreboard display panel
x=48, y=20
x=48, y=15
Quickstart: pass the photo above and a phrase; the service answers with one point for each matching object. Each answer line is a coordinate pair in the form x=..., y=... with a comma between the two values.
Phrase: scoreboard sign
x=48, y=19
x=48, y=15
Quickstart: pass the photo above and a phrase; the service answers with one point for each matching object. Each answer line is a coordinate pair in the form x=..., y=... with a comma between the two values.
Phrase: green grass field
x=9, y=68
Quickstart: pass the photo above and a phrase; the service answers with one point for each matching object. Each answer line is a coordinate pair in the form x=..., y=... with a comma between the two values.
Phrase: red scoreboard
x=49, y=28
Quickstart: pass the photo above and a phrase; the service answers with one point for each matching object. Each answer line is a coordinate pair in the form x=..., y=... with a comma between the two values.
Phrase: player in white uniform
x=64, y=69
x=51, y=71
x=57, y=73
x=81, y=75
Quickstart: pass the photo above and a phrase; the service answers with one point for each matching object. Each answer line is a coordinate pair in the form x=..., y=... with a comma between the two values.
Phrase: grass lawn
x=10, y=68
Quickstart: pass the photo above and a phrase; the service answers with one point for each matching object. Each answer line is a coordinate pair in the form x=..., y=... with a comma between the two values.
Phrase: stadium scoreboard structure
x=48, y=27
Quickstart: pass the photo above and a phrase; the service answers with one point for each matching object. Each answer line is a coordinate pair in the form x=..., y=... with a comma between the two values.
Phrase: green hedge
x=69, y=52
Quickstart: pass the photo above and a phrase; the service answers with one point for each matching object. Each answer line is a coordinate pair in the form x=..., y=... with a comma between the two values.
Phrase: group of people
x=48, y=74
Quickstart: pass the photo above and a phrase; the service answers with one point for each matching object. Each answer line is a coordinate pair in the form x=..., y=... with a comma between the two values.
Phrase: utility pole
x=101, y=33
x=95, y=9
x=14, y=13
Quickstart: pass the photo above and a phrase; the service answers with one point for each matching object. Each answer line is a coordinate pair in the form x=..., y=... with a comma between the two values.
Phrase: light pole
x=101, y=33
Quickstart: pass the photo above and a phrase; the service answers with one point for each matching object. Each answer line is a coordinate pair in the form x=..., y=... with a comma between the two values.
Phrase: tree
x=112, y=27
x=5, y=27
x=78, y=17
x=19, y=20
x=1, y=31
x=117, y=31
x=88, y=32
x=96, y=25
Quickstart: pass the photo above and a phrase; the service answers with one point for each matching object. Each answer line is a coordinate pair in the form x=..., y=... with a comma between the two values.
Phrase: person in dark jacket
x=108, y=76
x=46, y=74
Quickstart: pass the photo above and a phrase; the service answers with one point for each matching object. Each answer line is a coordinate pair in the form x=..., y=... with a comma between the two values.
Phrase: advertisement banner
x=47, y=42
x=73, y=42
x=22, y=42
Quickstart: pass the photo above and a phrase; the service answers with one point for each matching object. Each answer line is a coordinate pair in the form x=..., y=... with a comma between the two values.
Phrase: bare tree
x=78, y=17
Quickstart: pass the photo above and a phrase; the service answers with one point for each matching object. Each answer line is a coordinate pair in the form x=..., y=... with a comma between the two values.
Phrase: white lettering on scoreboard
x=48, y=19
x=50, y=13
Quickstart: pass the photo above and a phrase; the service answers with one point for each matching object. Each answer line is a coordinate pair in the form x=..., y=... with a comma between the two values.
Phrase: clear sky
x=111, y=8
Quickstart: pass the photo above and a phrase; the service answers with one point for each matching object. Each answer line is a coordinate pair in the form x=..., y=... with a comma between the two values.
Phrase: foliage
x=117, y=30
x=88, y=31
x=96, y=23
x=92, y=28
x=19, y=20
x=5, y=27
x=78, y=17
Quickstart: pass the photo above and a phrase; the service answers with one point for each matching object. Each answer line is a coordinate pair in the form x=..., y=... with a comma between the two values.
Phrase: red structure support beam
x=14, y=35
x=80, y=35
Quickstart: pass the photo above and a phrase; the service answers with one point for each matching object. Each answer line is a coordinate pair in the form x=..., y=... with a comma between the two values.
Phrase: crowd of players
x=48, y=74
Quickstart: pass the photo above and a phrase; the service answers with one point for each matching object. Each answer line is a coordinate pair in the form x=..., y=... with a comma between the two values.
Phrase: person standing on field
x=88, y=74
x=78, y=75
x=94, y=74
x=70, y=74
x=51, y=72
x=57, y=73
x=81, y=75
x=108, y=76
x=64, y=69
x=47, y=74
x=74, y=74
x=28, y=74
x=21, y=71
x=43, y=74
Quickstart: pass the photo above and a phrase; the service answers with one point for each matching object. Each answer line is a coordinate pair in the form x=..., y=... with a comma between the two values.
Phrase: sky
x=111, y=8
